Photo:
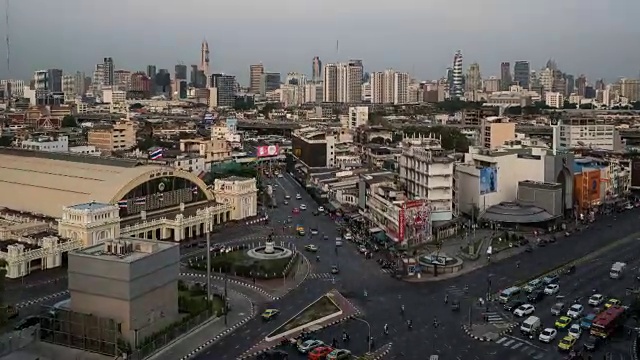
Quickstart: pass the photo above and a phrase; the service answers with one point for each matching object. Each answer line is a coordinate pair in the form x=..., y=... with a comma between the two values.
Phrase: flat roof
x=135, y=249
x=90, y=206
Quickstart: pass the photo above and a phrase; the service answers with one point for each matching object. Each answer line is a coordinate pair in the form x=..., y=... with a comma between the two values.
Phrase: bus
x=608, y=321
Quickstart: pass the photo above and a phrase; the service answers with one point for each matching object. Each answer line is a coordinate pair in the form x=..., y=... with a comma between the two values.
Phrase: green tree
x=146, y=143
x=69, y=121
x=377, y=140
x=568, y=105
x=136, y=106
x=6, y=140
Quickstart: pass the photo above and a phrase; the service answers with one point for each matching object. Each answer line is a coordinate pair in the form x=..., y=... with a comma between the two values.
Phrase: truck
x=617, y=269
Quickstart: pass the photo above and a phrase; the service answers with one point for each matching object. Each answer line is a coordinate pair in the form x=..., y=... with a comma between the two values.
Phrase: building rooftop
x=90, y=206
x=235, y=178
x=78, y=158
x=126, y=250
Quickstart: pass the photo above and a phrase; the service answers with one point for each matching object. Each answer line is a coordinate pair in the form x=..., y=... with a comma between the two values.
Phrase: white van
x=531, y=326
x=509, y=294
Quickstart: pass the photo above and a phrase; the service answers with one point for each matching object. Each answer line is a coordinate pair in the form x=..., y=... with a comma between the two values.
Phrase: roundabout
x=270, y=251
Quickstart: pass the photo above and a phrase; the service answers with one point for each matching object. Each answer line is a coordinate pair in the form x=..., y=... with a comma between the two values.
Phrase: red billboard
x=402, y=216
x=267, y=150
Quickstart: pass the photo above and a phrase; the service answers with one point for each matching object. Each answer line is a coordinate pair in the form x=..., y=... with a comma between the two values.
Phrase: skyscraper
x=204, y=60
x=180, y=72
x=349, y=82
x=151, y=71
x=330, y=83
x=581, y=84
x=400, y=88
x=255, y=77
x=505, y=76
x=316, y=70
x=457, y=90
x=474, y=78
x=521, y=73
x=108, y=71
x=224, y=86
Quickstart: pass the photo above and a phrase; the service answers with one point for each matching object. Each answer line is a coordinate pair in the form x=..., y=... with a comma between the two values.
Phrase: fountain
x=270, y=251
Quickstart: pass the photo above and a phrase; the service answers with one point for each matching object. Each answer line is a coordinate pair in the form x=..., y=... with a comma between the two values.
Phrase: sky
x=599, y=38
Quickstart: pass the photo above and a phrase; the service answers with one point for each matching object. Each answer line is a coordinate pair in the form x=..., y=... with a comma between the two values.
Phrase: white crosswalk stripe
x=522, y=346
x=495, y=318
x=386, y=271
x=321, y=276
x=455, y=291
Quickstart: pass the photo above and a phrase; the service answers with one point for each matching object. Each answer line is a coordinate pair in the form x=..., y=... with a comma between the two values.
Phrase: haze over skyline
x=599, y=40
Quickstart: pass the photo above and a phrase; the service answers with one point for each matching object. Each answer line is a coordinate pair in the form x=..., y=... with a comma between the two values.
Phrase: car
x=612, y=302
x=309, y=345
x=523, y=310
x=562, y=322
x=311, y=248
x=320, y=353
x=303, y=207
x=348, y=236
x=338, y=241
x=533, y=285
x=551, y=289
x=550, y=279
x=286, y=202
x=280, y=176
x=596, y=299
x=27, y=322
x=269, y=314
x=575, y=330
x=339, y=354
x=575, y=311
x=557, y=308
x=513, y=304
x=320, y=209
x=592, y=342
x=567, y=343
x=362, y=249
x=587, y=321
x=548, y=335
x=314, y=231
x=535, y=296
x=325, y=237
x=298, y=197
x=335, y=269
x=295, y=210
x=287, y=197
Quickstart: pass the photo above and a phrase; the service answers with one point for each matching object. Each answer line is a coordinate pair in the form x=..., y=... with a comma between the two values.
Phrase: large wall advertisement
x=313, y=155
x=267, y=150
x=488, y=180
x=411, y=214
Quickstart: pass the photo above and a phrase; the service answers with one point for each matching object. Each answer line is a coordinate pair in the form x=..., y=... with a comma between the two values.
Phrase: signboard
x=270, y=150
x=488, y=180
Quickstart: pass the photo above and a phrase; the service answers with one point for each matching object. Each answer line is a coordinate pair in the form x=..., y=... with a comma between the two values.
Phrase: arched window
x=159, y=193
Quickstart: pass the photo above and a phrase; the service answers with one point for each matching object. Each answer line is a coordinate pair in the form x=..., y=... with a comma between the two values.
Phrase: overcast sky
x=600, y=38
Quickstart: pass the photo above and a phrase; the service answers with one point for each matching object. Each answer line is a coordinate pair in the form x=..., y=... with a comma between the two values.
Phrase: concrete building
x=522, y=73
x=214, y=150
x=240, y=193
x=269, y=81
x=330, y=83
x=389, y=87
x=132, y=281
x=222, y=91
x=48, y=80
x=554, y=99
x=255, y=77
x=111, y=96
x=491, y=84
x=427, y=173
x=349, y=82
x=587, y=132
x=116, y=137
x=510, y=99
x=400, y=88
x=495, y=130
x=358, y=116
x=314, y=147
x=47, y=143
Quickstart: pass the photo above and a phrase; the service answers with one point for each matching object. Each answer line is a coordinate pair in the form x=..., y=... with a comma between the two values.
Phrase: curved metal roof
x=515, y=213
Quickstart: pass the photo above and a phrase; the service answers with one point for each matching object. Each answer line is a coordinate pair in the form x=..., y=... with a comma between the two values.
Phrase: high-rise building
x=570, y=83
x=521, y=73
x=457, y=90
x=330, y=83
x=316, y=70
x=349, y=82
x=222, y=90
x=474, y=78
x=80, y=85
x=580, y=84
x=269, y=81
x=630, y=88
x=255, y=77
x=140, y=82
x=600, y=85
x=108, y=71
x=49, y=80
x=151, y=71
x=163, y=81
x=204, y=60
x=505, y=76
x=122, y=80
x=180, y=72
x=400, y=88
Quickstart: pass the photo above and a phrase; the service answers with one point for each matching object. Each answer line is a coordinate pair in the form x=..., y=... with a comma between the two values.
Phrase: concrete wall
x=553, y=166
x=546, y=197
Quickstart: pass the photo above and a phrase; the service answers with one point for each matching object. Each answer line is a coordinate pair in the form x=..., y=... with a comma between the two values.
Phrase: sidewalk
x=187, y=346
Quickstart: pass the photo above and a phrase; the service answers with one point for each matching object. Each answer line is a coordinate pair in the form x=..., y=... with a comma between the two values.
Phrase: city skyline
x=239, y=47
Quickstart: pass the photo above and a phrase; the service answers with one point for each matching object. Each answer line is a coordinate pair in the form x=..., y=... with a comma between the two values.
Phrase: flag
x=122, y=204
x=160, y=197
x=156, y=153
x=140, y=201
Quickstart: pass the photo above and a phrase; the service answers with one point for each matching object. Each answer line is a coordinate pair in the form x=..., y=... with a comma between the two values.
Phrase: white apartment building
x=330, y=83
x=389, y=87
x=349, y=82
x=427, y=173
x=586, y=132
x=110, y=96
x=504, y=168
x=85, y=150
x=358, y=116
x=313, y=93
x=400, y=88
x=554, y=99
x=47, y=143
x=16, y=87
x=192, y=163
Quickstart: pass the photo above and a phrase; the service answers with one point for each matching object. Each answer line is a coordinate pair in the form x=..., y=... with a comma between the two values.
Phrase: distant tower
x=316, y=70
x=457, y=90
x=204, y=60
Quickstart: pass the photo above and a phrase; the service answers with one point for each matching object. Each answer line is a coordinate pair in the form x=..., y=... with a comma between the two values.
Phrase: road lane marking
x=517, y=345
x=501, y=340
x=508, y=343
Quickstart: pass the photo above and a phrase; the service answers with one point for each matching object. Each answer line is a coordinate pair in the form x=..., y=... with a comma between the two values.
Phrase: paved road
x=423, y=301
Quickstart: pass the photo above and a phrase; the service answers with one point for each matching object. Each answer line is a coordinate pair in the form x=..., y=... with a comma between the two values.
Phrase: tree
x=69, y=121
x=587, y=106
x=146, y=143
x=568, y=105
x=136, y=106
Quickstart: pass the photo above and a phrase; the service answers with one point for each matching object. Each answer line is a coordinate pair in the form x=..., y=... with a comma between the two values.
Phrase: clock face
x=161, y=186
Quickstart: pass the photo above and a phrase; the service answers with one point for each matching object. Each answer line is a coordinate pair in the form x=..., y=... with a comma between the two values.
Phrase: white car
x=575, y=311
x=320, y=209
x=575, y=331
x=523, y=310
x=287, y=197
x=303, y=207
x=348, y=236
x=551, y=289
x=548, y=335
x=280, y=176
x=298, y=197
x=596, y=299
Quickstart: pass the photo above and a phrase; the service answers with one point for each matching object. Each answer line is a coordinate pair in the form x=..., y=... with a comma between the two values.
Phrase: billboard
x=311, y=154
x=267, y=150
x=410, y=214
x=488, y=180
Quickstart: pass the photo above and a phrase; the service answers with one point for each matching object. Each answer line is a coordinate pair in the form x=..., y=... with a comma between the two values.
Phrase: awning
x=374, y=230
x=380, y=237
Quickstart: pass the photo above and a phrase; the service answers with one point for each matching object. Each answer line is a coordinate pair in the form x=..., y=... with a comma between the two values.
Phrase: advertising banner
x=270, y=150
x=401, y=224
x=488, y=180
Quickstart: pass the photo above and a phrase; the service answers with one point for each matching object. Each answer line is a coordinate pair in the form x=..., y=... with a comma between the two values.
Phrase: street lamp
x=368, y=330
x=208, y=235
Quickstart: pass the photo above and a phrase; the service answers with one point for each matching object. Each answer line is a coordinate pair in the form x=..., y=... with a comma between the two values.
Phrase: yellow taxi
x=611, y=302
x=563, y=322
x=270, y=314
x=567, y=343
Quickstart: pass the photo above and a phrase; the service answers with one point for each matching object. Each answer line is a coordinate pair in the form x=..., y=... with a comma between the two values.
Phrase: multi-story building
x=505, y=76
x=269, y=81
x=330, y=83
x=109, y=138
x=47, y=143
x=108, y=71
x=214, y=150
x=400, y=88
x=554, y=99
x=630, y=88
x=313, y=93
x=48, y=80
x=358, y=116
x=457, y=78
x=586, y=132
x=140, y=82
x=69, y=87
x=314, y=148
x=180, y=72
x=122, y=80
x=427, y=173
x=16, y=87
x=255, y=77
x=222, y=91
x=384, y=89
x=349, y=82
x=522, y=73
x=495, y=130
x=97, y=81
x=474, y=78
x=316, y=69
x=110, y=96
x=491, y=84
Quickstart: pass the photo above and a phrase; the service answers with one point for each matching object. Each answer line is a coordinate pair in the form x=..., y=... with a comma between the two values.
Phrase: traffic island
x=328, y=310
x=488, y=332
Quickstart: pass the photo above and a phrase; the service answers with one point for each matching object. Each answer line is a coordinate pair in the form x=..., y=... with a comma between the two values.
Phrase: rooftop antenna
x=337, y=45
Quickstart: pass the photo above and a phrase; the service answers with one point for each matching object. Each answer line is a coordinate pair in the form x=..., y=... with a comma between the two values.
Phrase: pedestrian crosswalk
x=321, y=276
x=495, y=318
x=523, y=346
x=456, y=291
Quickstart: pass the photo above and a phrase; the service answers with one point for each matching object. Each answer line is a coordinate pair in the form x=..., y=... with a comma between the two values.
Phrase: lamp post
x=208, y=236
x=368, y=330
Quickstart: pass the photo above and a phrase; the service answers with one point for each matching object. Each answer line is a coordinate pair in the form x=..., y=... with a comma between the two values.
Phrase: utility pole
x=225, y=302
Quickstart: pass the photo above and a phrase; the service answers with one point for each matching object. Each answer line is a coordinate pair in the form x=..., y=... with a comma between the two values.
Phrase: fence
x=17, y=340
